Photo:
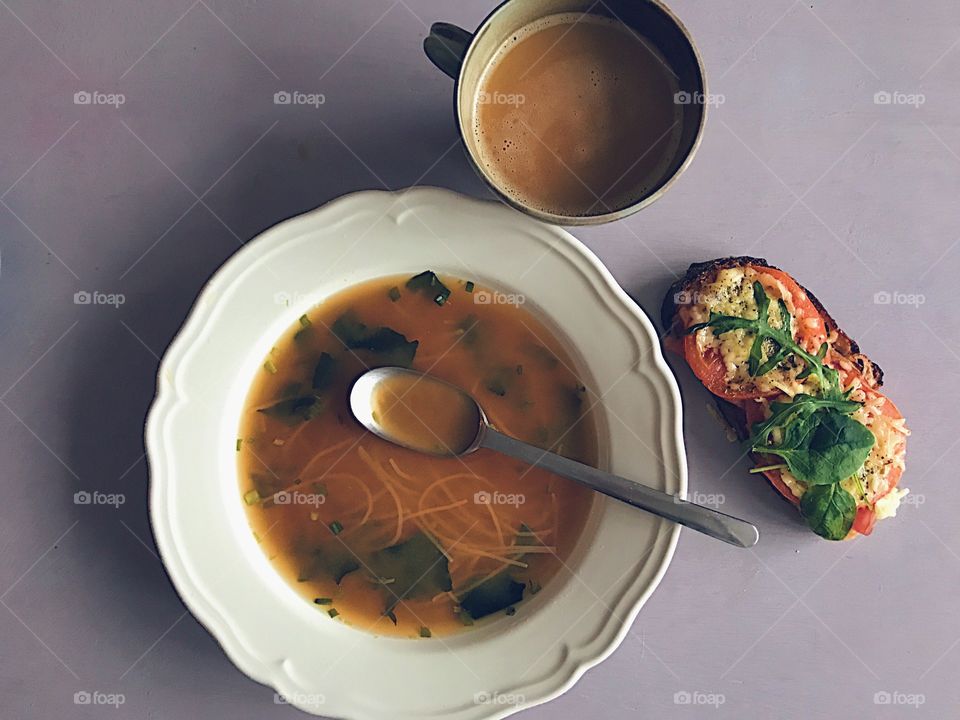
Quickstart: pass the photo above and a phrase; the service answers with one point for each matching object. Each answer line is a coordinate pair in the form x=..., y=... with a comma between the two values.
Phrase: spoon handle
x=697, y=517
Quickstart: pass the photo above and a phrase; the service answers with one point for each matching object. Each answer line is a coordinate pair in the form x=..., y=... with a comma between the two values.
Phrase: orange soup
x=387, y=539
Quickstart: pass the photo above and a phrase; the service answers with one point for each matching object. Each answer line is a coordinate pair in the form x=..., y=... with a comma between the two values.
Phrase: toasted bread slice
x=697, y=273
x=844, y=350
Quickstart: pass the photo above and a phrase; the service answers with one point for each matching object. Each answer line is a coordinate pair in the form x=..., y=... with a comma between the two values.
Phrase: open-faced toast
x=796, y=389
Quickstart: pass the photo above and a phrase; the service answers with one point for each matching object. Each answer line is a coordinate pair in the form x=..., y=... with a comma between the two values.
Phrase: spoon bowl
x=381, y=401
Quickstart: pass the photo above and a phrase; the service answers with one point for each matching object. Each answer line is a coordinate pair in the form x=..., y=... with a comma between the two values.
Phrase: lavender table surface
x=802, y=163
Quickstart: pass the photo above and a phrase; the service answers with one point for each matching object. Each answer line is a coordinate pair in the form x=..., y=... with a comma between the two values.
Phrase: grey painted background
x=799, y=164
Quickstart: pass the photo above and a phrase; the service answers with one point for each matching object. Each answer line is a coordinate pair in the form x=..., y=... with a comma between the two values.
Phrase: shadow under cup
x=468, y=57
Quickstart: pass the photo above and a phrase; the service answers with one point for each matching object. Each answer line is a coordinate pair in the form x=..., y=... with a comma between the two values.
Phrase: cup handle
x=446, y=45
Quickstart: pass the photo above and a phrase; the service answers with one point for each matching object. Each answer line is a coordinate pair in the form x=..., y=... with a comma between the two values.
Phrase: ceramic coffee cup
x=464, y=56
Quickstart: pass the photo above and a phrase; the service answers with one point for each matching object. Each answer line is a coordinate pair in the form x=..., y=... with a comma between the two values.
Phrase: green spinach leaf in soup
x=430, y=285
x=389, y=346
x=493, y=595
x=413, y=569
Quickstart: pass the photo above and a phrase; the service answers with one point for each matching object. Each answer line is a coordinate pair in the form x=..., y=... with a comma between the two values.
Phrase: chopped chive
x=270, y=367
x=519, y=369
x=511, y=610
x=425, y=632
x=323, y=601
x=305, y=321
x=332, y=612
x=394, y=293
x=469, y=286
x=465, y=618
x=534, y=587
x=336, y=528
x=239, y=443
x=251, y=497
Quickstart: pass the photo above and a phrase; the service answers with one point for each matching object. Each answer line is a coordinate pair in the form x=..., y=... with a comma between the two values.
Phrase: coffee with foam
x=576, y=115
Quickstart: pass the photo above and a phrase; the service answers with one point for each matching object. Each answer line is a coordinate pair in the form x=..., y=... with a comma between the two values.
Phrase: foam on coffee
x=575, y=114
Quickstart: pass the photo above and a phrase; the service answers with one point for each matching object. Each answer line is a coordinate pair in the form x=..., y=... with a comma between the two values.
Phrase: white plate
x=274, y=636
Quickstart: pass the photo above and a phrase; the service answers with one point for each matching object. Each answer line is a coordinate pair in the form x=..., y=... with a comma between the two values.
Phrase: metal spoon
x=710, y=522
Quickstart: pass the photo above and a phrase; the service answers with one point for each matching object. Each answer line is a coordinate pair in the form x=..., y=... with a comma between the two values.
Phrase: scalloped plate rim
x=168, y=397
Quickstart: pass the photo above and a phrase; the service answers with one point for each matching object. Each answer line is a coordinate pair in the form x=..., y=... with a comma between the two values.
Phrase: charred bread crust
x=698, y=272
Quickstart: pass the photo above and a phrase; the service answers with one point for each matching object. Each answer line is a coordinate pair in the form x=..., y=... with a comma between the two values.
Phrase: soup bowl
x=271, y=633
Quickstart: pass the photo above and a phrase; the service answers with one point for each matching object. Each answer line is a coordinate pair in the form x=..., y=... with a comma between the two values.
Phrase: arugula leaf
x=824, y=448
x=829, y=511
x=498, y=593
x=428, y=283
x=416, y=566
x=781, y=338
x=801, y=407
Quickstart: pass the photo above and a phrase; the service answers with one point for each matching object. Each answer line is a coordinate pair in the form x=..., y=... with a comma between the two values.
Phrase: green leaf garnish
x=391, y=347
x=498, y=593
x=428, y=283
x=323, y=372
x=331, y=559
x=780, y=339
x=824, y=448
x=418, y=567
x=829, y=510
